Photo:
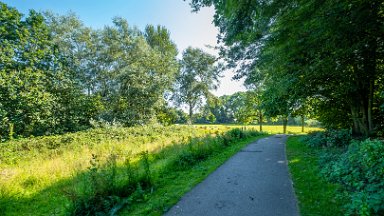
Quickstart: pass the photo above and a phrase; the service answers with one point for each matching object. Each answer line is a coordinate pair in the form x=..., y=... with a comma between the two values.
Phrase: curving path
x=255, y=181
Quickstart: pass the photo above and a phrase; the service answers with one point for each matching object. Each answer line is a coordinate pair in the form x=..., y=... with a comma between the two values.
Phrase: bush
x=338, y=138
x=329, y=138
x=361, y=171
x=315, y=139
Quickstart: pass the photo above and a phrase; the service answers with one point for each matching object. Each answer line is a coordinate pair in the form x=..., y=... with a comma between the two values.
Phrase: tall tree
x=141, y=68
x=56, y=74
x=198, y=75
x=329, y=50
x=25, y=58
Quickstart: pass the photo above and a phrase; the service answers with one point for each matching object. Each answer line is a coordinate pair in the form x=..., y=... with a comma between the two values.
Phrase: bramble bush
x=360, y=170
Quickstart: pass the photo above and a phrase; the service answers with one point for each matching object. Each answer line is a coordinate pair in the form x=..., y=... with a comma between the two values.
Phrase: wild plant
x=11, y=131
x=144, y=156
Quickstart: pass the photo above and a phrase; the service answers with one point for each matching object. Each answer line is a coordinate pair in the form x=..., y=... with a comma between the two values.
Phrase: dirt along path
x=255, y=181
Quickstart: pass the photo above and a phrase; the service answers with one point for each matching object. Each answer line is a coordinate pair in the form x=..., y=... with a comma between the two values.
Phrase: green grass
x=315, y=195
x=271, y=129
x=38, y=176
x=34, y=171
x=172, y=186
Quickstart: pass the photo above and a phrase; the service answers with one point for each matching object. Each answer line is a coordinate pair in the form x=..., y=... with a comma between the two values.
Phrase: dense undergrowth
x=97, y=172
x=357, y=165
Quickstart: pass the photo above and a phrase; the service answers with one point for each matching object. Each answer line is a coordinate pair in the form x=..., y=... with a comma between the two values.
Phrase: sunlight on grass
x=34, y=171
x=315, y=195
x=272, y=129
x=294, y=160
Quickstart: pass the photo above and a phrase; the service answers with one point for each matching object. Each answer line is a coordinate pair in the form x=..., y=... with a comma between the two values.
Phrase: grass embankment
x=316, y=196
x=104, y=167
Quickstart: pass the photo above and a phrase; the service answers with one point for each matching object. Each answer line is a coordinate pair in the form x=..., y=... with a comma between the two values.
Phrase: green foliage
x=315, y=139
x=94, y=197
x=168, y=115
x=328, y=138
x=105, y=187
x=56, y=74
x=200, y=149
x=198, y=75
x=240, y=107
x=360, y=171
x=328, y=51
x=338, y=138
x=316, y=195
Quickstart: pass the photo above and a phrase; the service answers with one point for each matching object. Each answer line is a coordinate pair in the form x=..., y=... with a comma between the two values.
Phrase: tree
x=328, y=50
x=140, y=68
x=303, y=109
x=25, y=54
x=198, y=75
x=73, y=73
x=255, y=108
x=56, y=74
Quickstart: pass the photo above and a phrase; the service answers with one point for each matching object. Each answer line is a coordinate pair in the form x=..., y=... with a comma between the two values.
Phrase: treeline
x=324, y=55
x=247, y=108
x=57, y=75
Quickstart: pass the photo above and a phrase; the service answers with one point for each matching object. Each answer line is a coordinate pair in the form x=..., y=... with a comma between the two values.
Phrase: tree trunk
x=364, y=119
x=190, y=114
x=370, y=63
x=261, y=121
x=285, y=122
x=370, y=104
x=302, y=123
x=355, y=116
x=360, y=125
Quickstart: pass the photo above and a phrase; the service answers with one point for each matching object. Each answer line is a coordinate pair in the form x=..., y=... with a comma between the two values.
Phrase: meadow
x=111, y=167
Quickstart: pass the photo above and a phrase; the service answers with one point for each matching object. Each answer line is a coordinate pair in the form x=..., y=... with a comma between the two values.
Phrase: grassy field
x=316, y=196
x=40, y=176
x=271, y=129
x=46, y=175
x=34, y=170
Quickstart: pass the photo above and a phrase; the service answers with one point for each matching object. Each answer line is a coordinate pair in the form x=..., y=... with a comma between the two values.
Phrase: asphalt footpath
x=255, y=181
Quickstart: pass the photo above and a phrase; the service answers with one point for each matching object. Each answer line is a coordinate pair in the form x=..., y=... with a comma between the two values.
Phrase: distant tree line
x=247, y=108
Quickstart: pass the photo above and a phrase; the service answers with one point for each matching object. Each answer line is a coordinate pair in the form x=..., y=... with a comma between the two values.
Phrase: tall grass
x=271, y=129
x=99, y=169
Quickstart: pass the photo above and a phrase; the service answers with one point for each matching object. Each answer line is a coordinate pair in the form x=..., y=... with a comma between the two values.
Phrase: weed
x=144, y=156
x=11, y=131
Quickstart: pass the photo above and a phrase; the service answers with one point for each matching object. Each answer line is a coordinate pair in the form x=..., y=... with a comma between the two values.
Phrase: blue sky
x=187, y=28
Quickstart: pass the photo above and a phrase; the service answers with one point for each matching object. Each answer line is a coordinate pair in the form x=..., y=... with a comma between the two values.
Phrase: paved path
x=254, y=182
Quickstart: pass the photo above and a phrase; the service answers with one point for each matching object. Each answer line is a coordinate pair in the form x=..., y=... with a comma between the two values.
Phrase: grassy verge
x=272, y=129
x=173, y=185
x=315, y=195
x=95, y=171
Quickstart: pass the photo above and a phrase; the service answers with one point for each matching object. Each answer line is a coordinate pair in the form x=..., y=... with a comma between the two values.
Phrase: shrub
x=361, y=170
x=329, y=138
x=315, y=139
x=95, y=196
x=338, y=138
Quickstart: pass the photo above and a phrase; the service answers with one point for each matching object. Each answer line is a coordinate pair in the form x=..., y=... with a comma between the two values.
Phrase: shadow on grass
x=110, y=185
